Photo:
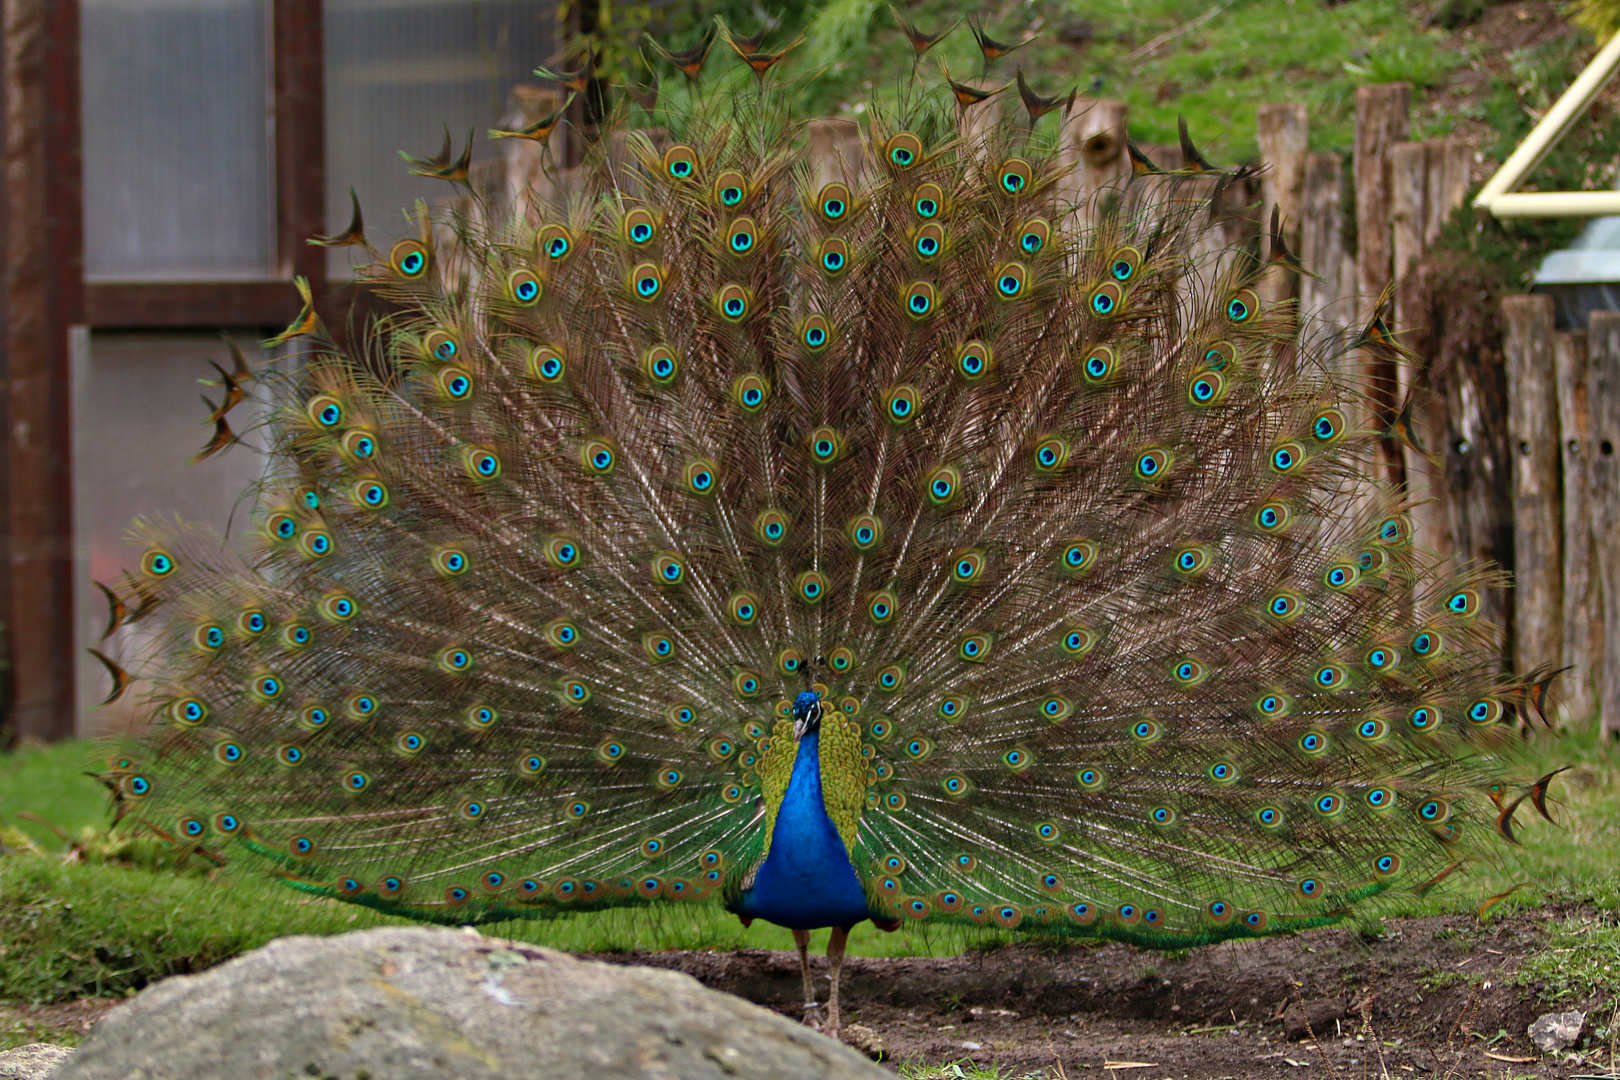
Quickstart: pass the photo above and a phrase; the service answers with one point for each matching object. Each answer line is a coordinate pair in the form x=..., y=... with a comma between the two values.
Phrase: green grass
x=116, y=917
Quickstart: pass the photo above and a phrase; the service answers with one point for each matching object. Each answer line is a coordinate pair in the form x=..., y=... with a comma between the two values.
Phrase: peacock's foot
x=813, y=1015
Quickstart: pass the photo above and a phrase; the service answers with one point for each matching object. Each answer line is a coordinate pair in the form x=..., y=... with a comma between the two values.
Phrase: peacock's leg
x=801, y=938
x=835, y=962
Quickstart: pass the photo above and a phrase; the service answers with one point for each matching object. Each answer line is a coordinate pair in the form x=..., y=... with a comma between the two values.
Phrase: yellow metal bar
x=1497, y=195
x=1550, y=204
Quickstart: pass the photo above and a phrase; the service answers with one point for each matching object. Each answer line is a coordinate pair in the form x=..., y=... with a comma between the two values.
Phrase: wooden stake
x=1538, y=561
x=1583, y=604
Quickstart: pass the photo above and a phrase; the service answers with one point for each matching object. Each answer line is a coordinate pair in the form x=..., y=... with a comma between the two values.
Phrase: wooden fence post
x=1283, y=132
x=1381, y=122
x=1603, y=491
x=1583, y=605
x=1538, y=562
x=1321, y=244
x=1093, y=142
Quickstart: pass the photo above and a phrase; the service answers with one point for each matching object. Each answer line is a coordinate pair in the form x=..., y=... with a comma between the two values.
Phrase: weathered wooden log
x=1533, y=434
x=1603, y=495
x=1583, y=604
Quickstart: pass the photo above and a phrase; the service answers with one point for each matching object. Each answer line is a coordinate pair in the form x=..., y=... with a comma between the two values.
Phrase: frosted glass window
x=177, y=176
x=137, y=423
x=398, y=72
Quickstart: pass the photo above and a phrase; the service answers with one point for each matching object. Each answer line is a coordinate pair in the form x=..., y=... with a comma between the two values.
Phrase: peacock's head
x=806, y=714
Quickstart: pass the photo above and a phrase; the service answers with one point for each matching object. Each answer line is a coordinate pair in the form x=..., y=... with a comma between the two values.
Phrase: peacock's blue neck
x=806, y=882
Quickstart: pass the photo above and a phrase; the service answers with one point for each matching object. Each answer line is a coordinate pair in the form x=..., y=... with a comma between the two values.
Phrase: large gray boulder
x=409, y=1003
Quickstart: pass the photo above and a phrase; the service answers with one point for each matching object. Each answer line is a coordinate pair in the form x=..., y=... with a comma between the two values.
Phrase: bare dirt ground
x=1426, y=1000
x=1433, y=998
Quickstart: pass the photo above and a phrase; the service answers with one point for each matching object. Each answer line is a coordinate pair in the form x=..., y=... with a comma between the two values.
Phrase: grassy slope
x=94, y=926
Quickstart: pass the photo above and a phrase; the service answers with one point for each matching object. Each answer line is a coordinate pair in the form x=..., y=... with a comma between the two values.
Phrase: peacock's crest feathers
x=1022, y=488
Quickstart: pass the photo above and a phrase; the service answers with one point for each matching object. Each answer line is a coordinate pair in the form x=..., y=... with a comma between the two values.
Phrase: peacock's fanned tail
x=1120, y=639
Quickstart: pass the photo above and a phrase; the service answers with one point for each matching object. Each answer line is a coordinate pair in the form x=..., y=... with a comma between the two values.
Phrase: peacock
x=886, y=537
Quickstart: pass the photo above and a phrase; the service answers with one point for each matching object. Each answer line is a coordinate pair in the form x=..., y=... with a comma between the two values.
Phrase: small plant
x=1417, y=63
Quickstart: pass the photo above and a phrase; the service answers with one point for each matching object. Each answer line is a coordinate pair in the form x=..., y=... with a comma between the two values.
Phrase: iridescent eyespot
x=1394, y=531
x=920, y=299
x=744, y=608
x=825, y=445
x=1285, y=606
x=721, y=748
x=928, y=200
x=682, y=715
x=892, y=677
x=188, y=712
x=1434, y=812
x=880, y=729
x=1206, y=388
x=1424, y=718
x=1243, y=306
x=1091, y=778
x=316, y=543
x=815, y=332
x=1014, y=175
x=680, y=162
x=1287, y=457
x=833, y=201
x=1192, y=561
x=1372, y=730
x=1099, y=364
x=1428, y=644
x=789, y=661
x=314, y=717
x=252, y=623
x=1313, y=743
x=1328, y=425
x=229, y=753
x=1387, y=865
x=973, y=359
x=1078, y=640
x=1189, y=672
x=1379, y=798
x=360, y=706
x=900, y=404
x=1056, y=709
x=554, y=242
x=1382, y=658
x=903, y=150
x=1010, y=280
x=157, y=564
x=1123, y=264
x=1106, y=299
x=930, y=240
x=355, y=781
x=833, y=255
x=943, y=484
x=668, y=569
x=266, y=687
x=811, y=587
x=1152, y=463
x=751, y=392
x=640, y=225
x=546, y=364
x=1273, y=517
x=408, y=258
x=1329, y=804
x=1220, y=355
x=771, y=527
x=209, y=637
x=575, y=692
x=865, y=531
x=1034, y=236
x=229, y=824
x=742, y=236
x=1049, y=882
x=290, y=755
x=523, y=287
x=562, y=552
x=598, y=456
x=1078, y=555
x=1269, y=817
x=1222, y=772
x=1051, y=453
x=841, y=659
x=454, y=659
x=441, y=345
x=1341, y=576
x=975, y=647
x=339, y=608
x=881, y=607
x=1273, y=706
x=732, y=302
x=646, y=281
x=302, y=846
x=370, y=494
x=482, y=465
x=1146, y=731
x=1162, y=815
x=1464, y=603
x=917, y=749
x=967, y=567
x=952, y=709
x=326, y=411
x=281, y=527
x=1330, y=677
x=359, y=444
x=451, y=562
x=1484, y=712
x=699, y=476
x=730, y=188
